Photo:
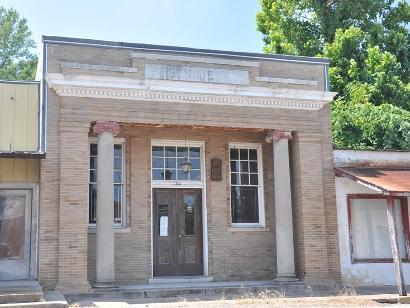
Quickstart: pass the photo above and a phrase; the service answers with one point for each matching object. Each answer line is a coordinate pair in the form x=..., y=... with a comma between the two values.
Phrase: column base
x=105, y=285
x=286, y=278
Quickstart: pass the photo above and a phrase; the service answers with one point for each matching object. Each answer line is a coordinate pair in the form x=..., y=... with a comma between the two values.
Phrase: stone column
x=283, y=207
x=105, y=203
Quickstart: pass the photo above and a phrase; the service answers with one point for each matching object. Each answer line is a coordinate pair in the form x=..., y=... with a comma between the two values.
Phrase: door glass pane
x=162, y=216
x=12, y=227
x=189, y=203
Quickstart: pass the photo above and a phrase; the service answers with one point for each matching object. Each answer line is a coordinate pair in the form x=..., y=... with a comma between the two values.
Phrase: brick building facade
x=257, y=203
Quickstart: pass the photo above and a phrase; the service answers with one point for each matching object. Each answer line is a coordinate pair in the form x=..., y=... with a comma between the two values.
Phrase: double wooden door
x=177, y=232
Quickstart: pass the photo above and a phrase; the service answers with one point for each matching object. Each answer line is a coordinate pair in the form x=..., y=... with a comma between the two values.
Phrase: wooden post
x=391, y=218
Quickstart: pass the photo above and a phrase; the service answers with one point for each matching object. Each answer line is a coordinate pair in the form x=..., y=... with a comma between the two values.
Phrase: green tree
x=17, y=58
x=369, y=49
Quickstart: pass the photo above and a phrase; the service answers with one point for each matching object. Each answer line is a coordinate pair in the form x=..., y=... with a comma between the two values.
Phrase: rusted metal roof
x=388, y=180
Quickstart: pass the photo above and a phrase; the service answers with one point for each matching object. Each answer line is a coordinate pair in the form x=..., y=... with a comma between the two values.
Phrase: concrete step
x=20, y=291
x=50, y=300
x=180, y=279
x=214, y=288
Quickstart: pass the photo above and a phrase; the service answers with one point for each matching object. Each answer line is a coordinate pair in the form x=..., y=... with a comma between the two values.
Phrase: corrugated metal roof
x=388, y=180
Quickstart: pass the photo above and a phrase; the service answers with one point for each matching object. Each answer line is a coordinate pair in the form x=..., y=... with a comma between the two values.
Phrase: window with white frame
x=370, y=239
x=167, y=163
x=119, y=204
x=246, y=179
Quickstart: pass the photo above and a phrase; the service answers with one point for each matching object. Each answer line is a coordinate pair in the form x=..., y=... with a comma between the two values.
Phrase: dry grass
x=264, y=297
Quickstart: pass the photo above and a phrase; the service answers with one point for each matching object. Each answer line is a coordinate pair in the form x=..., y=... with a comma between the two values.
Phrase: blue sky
x=214, y=24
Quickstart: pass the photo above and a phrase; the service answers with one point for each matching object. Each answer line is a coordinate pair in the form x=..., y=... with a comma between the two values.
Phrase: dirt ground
x=243, y=301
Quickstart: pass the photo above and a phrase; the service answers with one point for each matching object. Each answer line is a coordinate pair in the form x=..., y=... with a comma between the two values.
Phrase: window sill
x=248, y=229
x=93, y=230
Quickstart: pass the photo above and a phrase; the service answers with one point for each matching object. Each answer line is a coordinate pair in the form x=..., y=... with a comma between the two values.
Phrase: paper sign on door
x=163, y=226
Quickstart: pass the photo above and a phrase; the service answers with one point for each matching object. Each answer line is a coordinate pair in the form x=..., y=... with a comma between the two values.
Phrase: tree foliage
x=17, y=59
x=368, y=45
x=365, y=126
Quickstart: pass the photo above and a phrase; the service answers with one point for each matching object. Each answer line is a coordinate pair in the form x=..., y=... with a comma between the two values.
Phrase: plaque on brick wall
x=216, y=169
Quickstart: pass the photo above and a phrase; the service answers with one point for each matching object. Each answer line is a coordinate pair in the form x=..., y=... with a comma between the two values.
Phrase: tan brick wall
x=67, y=248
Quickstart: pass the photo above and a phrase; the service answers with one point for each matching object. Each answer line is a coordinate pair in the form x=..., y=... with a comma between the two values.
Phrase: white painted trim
x=123, y=224
x=98, y=67
x=186, y=92
x=152, y=56
x=201, y=144
x=287, y=80
x=261, y=193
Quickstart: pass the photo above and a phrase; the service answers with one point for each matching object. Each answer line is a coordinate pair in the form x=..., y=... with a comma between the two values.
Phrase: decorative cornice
x=186, y=92
x=106, y=126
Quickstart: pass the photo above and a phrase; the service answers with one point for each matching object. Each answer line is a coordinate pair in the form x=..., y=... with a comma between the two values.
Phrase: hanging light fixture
x=186, y=165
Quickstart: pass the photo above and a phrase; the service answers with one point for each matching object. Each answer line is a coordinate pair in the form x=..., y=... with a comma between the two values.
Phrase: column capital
x=106, y=126
x=279, y=134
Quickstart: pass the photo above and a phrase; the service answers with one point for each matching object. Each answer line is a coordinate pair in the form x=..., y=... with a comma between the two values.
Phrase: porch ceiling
x=393, y=181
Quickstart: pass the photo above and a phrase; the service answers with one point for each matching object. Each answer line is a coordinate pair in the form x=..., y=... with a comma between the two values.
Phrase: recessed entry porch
x=210, y=221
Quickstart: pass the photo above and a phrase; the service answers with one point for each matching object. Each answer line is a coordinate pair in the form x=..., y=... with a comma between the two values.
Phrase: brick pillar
x=105, y=275
x=310, y=209
x=73, y=218
x=285, y=259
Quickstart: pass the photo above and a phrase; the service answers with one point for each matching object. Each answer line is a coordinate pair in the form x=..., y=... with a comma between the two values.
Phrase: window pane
x=244, y=178
x=93, y=149
x=253, y=154
x=182, y=176
x=370, y=231
x=244, y=166
x=12, y=226
x=196, y=163
x=189, y=203
x=253, y=166
x=254, y=179
x=235, y=178
x=157, y=163
x=170, y=151
x=243, y=154
x=93, y=176
x=170, y=174
x=158, y=174
x=117, y=203
x=182, y=151
x=170, y=163
x=194, y=152
x=195, y=175
x=158, y=151
x=117, y=163
x=234, y=166
x=117, y=176
x=234, y=153
x=244, y=205
x=118, y=150
x=92, y=196
x=93, y=162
